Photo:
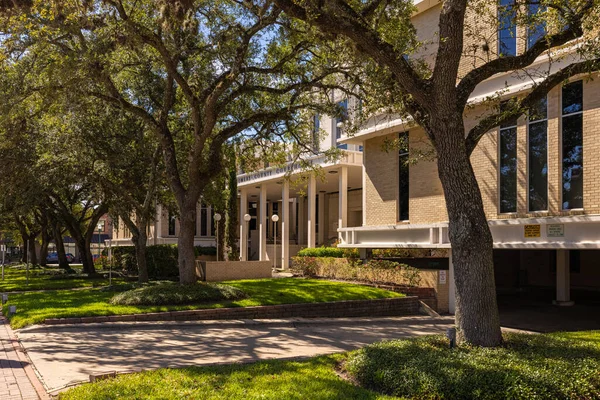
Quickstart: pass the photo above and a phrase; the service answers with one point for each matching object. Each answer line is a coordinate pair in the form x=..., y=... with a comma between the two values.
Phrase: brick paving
x=14, y=383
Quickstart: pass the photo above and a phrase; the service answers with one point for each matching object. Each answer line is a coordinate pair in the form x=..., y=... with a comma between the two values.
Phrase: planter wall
x=213, y=271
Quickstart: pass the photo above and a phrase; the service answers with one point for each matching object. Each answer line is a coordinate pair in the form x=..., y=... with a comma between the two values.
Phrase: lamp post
x=275, y=218
x=217, y=218
x=247, y=219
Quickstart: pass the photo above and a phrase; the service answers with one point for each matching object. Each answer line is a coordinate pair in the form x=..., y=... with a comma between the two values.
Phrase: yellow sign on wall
x=532, y=231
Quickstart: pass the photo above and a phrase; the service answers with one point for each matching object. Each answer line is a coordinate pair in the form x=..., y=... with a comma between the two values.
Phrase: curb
x=26, y=363
x=240, y=323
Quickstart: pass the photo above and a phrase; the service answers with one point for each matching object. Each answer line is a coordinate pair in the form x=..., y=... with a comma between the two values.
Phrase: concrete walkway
x=67, y=354
x=14, y=383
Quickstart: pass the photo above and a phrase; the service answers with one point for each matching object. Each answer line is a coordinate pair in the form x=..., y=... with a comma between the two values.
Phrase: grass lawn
x=527, y=361
x=33, y=308
x=42, y=278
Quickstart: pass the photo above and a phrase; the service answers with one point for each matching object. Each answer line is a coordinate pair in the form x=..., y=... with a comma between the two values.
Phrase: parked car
x=53, y=257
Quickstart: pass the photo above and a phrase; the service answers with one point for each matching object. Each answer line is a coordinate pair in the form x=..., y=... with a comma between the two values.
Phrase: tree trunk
x=60, y=247
x=477, y=317
x=232, y=212
x=32, y=253
x=44, y=247
x=83, y=245
x=140, y=240
x=25, y=239
x=185, y=243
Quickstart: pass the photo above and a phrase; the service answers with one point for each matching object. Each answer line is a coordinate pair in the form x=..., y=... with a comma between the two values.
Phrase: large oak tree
x=436, y=96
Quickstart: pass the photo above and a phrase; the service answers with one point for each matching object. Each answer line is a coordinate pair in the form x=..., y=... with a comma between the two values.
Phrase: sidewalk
x=65, y=355
x=14, y=383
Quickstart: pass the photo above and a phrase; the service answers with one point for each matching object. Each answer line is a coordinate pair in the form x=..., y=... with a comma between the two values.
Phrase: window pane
x=171, y=225
x=507, y=33
x=572, y=166
x=213, y=225
x=538, y=166
x=572, y=97
x=504, y=106
x=538, y=30
x=539, y=111
x=338, y=130
x=315, y=133
x=403, y=180
x=203, y=222
x=508, y=170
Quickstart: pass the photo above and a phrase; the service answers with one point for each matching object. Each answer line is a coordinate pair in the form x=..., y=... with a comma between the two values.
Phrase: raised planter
x=400, y=306
x=215, y=271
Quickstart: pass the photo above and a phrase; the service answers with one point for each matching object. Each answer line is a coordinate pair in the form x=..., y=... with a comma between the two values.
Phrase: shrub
x=328, y=252
x=526, y=367
x=205, y=251
x=376, y=271
x=172, y=293
x=383, y=264
x=161, y=260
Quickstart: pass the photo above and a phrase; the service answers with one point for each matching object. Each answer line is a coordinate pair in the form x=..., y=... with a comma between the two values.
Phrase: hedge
x=376, y=271
x=334, y=252
x=161, y=259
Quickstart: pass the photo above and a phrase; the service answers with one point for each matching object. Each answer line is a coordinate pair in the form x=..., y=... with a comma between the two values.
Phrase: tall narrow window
x=315, y=131
x=507, y=29
x=203, y=220
x=508, y=166
x=403, y=177
x=339, y=121
x=213, y=222
x=538, y=157
x=172, y=220
x=537, y=29
x=572, y=145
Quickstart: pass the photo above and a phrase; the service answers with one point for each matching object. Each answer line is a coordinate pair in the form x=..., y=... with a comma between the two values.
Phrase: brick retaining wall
x=338, y=309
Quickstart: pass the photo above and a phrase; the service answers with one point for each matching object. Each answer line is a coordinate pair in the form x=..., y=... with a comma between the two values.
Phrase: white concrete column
x=158, y=224
x=262, y=226
x=285, y=225
x=312, y=212
x=321, y=235
x=243, y=225
x=301, y=219
x=563, y=279
x=343, y=198
x=451, y=285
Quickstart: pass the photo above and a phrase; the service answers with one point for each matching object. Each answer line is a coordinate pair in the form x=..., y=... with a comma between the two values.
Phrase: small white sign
x=443, y=277
x=555, y=230
x=2, y=247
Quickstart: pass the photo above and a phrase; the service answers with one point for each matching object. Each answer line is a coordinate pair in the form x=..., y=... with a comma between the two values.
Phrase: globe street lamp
x=275, y=218
x=217, y=218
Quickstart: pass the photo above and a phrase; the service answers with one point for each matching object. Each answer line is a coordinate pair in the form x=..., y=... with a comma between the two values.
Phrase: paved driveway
x=67, y=354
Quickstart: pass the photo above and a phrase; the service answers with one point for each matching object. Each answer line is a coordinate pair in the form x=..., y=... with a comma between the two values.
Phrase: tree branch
x=525, y=104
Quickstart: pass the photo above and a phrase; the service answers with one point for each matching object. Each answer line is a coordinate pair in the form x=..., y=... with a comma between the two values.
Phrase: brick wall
x=426, y=196
x=381, y=182
x=339, y=309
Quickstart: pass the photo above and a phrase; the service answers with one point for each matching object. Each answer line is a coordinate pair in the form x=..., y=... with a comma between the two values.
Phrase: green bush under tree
x=172, y=294
x=161, y=259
